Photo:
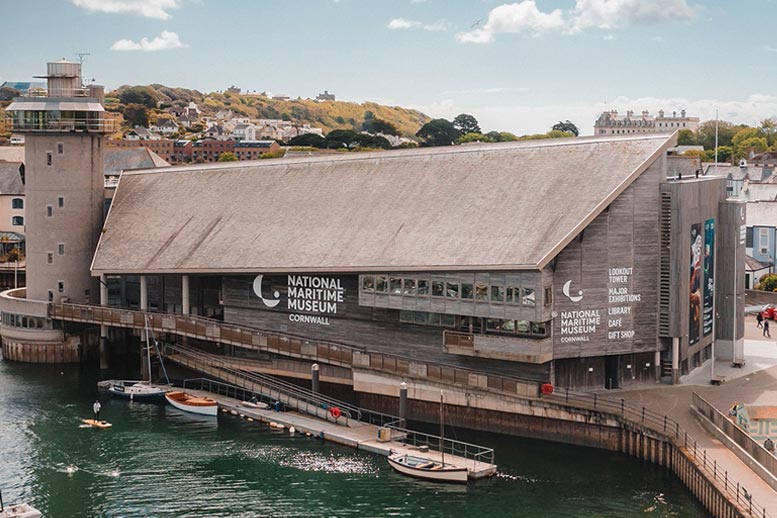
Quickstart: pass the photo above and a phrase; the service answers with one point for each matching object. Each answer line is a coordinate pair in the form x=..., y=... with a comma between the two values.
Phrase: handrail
x=437, y=443
x=270, y=384
x=671, y=431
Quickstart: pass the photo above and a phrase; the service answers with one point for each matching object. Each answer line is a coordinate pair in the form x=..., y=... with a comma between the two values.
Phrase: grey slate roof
x=11, y=178
x=493, y=206
x=116, y=160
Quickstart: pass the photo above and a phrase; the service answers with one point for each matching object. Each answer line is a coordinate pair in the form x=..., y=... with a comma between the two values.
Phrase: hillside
x=328, y=115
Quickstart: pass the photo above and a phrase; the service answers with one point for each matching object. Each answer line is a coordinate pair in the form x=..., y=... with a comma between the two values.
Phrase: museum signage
x=309, y=299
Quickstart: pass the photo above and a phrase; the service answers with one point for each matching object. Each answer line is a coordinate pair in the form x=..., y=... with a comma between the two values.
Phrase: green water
x=158, y=461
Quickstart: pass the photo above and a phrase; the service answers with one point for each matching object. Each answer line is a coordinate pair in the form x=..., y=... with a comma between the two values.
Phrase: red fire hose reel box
x=546, y=389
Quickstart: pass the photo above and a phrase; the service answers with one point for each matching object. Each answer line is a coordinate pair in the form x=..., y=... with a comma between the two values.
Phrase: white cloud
x=484, y=91
x=514, y=18
x=165, y=41
x=401, y=23
x=146, y=8
x=525, y=17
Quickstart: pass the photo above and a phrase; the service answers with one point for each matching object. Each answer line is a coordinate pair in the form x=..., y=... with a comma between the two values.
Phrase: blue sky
x=516, y=66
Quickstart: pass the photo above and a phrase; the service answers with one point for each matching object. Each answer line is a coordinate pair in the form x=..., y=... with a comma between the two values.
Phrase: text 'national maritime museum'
x=575, y=261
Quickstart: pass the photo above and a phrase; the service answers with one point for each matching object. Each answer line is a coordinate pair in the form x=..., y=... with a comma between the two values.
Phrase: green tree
x=686, y=138
x=754, y=144
x=307, y=140
x=7, y=93
x=136, y=114
x=473, y=137
x=566, y=126
x=438, y=132
x=337, y=139
x=706, y=134
x=769, y=130
x=466, y=123
x=227, y=156
x=138, y=95
x=767, y=282
x=380, y=126
x=506, y=136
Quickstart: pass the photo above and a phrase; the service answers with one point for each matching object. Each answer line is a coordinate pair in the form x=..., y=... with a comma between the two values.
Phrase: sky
x=516, y=66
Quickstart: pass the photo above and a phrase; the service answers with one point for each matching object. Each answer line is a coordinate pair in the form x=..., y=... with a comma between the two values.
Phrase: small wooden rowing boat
x=427, y=469
x=19, y=511
x=96, y=424
x=191, y=403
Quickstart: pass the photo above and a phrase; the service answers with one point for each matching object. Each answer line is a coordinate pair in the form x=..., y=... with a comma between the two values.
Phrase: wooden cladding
x=293, y=346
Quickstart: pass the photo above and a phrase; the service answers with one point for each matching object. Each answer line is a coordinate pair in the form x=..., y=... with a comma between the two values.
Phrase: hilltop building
x=613, y=123
x=326, y=96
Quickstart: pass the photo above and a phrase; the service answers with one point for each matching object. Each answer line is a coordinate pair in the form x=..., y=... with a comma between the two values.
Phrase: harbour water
x=158, y=461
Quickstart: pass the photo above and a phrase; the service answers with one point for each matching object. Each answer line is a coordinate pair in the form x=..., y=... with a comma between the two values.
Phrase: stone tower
x=63, y=129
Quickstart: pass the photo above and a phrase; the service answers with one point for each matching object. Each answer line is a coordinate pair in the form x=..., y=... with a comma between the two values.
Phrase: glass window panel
x=420, y=317
x=405, y=316
x=548, y=296
x=481, y=291
x=539, y=328
x=448, y=320
x=513, y=295
x=528, y=297
x=497, y=293
x=493, y=324
x=423, y=287
x=438, y=288
x=409, y=287
x=452, y=290
x=395, y=285
x=434, y=319
x=467, y=290
x=508, y=326
x=368, y=283
x=522, y=327
x=380, y=284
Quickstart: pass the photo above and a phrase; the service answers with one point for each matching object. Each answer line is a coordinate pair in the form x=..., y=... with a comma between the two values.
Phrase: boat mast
x=442, y=430
x=148, y=350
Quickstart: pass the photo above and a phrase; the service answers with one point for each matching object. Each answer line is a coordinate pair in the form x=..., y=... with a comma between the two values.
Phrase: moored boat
x=137, y=390
x=427, y=469
x=191, y=403
x=18, y=510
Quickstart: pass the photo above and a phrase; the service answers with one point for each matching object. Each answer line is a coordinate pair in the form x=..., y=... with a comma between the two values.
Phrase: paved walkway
x=755, y=383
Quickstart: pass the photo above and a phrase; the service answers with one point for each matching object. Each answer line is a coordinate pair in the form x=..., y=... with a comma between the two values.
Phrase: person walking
x=766, y=329
x=759, y=318
x=96, y=408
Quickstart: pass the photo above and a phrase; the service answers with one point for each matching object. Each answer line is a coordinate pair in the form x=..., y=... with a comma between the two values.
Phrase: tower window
x=17, y=221
x=60, y=148
x=61, y=202
x=49, y=210
x=61, y=286
x=49, y=158
x=51, y=295
x=17, y=203
x=62, y=249
x=50, y=257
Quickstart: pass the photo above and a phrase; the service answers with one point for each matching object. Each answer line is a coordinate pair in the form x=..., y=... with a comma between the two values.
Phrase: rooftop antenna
x=81, y=60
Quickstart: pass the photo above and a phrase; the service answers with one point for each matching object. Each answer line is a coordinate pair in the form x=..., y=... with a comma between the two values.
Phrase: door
x=611, y=374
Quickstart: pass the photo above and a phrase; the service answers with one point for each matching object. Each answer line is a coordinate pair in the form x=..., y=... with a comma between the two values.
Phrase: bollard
x=314, y=372
x=402, y=404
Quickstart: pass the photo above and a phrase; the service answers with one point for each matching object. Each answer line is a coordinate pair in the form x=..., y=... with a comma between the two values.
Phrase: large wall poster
x=709, y=275
x=694, y=315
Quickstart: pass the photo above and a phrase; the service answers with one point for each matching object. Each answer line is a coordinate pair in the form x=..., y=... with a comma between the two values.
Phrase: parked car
x=769, y=312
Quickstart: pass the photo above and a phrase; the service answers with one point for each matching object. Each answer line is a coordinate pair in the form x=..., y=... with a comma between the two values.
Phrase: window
x=539, y=328
x=467, y=290
x=368, y=283
x=17, y=203
x=409, y=287
x=423, y=287
x=17, y=220
x=49, y=158
x=528, y=297
x=452, y=290
x=51, y=295
x=60, y=148
x=61, y=249
x=548, y=296
x=61, y=286
x=513, y=295
x=497, y=293
x=50, y=258
x=395, y=285
x=763, y=239
x=61, y=202
x=49, y=211
x=522, y=327
x=380, y=284
x=438, y=288
x=481, y=291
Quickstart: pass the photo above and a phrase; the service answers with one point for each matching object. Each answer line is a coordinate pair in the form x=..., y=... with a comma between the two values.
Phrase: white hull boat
x=427, y=469
x=20, y=511
x=138, y=390
x=190, y=403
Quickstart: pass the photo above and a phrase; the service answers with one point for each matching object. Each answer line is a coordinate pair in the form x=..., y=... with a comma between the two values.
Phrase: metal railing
x=81, y=124
x=57, y=92
x=435, y=442
x=670, y=430
x=299, y=398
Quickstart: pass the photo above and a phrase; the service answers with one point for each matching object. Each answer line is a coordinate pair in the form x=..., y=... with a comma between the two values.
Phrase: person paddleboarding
x=96, y=408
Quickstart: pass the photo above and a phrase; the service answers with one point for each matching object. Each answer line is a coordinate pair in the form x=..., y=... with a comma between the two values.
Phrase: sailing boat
x=427, y=468
x=142, y=390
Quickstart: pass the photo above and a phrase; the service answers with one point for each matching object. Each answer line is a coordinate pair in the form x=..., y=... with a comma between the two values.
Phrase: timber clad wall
x=623, y=237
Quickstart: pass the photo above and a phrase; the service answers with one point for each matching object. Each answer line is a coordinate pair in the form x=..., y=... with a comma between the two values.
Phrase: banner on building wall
x=694, y=315
x=709, y=275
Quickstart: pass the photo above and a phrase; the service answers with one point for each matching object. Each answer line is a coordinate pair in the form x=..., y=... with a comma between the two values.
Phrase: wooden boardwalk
x=361, y=436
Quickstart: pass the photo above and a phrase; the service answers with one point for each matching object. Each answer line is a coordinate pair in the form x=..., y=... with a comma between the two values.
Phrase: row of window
x=17, y=203
x=13, y=320
x=477, y=325
x=17, y=221
x=413, y=287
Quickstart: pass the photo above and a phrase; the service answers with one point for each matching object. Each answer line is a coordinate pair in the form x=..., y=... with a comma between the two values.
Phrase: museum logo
x=574, y=298
x=270, y=303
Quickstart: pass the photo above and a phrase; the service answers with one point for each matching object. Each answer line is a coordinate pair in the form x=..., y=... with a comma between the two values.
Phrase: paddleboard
x=96, y=424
